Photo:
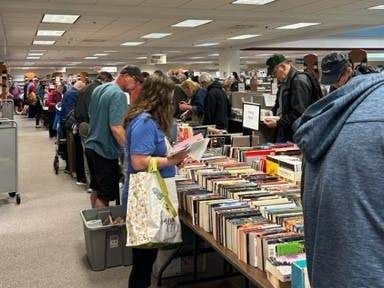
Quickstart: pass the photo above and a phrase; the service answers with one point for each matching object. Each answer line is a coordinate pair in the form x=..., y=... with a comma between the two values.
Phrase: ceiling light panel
x=252, y=2
x=379, y=7
x=56, y=33
x=298, y=25
x=100, y=54
x=156, y=35
x=91, y=57
x=41, y=42
x=191, y=23
x=207, y=44
x=245, y=36
x=33, y=57
x=131, y=43
x=57, y=18
x=35, y=54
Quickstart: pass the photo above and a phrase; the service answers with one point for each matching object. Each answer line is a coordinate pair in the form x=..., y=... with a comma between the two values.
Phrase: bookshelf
x=254, y=275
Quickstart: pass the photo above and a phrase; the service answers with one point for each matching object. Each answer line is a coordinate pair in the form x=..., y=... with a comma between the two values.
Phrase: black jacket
x=83, y=99
x=216, y=106
x=178, y=96
x=296, y=93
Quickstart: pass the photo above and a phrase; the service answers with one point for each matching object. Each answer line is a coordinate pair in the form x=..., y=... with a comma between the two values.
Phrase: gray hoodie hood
x=320, y=124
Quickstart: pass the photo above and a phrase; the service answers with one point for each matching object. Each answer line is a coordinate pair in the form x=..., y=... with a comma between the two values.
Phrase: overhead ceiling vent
x=242, y=27
x=94, y=40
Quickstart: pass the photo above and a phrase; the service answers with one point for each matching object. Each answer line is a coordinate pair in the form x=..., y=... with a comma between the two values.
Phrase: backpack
x=317, y=93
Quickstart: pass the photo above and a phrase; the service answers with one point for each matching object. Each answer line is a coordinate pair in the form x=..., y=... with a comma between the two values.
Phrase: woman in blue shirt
x=148, y=123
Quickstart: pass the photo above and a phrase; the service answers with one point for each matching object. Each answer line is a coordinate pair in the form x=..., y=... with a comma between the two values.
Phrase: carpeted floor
x=41, y=240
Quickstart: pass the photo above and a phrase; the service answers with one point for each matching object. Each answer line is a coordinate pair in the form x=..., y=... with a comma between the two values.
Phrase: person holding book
x=341, y=138
x=148, y=123
x=296, y=92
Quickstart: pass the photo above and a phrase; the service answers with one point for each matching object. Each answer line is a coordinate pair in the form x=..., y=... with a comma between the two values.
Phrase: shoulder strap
x=315, y=85
x=152, y=168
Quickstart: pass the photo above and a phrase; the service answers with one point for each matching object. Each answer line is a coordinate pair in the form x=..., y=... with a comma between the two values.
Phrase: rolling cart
x=6, y=108
x=8, y=159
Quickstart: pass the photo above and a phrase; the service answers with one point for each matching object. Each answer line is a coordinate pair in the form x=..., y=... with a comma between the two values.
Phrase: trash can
x=105, y=244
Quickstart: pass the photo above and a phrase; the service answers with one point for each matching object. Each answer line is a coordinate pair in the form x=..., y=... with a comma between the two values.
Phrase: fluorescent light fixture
x=131, y=43
x=42, y=42
x=91, y=57
x=110, y=51
x=298, y=25
x=196, y=57
x=207, y=44
x=100, y=54
x=32, y=57
x=253, y=2
x=109, y=69
x=245, y=36
x=57, y=18
x=379, y=7
x=375, y=55
x=214, y=55
x=74, y=63
x=56, y=33
x=191, y=23
x=35, y=54
x=141, y=58
x=200, y=62
x=156, y=35
x=31, y=51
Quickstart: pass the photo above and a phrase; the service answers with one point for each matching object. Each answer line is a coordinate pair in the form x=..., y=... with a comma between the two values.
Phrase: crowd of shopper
x=121, y=123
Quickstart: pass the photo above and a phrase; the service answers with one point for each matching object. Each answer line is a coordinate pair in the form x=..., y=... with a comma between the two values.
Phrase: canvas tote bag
x=152, y=206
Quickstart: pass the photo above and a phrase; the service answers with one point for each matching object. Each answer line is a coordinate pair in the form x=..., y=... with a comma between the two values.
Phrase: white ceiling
x=104, y=25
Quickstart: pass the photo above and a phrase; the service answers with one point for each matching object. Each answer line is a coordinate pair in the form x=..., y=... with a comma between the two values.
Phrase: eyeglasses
x=274, y=71
x=133, y=77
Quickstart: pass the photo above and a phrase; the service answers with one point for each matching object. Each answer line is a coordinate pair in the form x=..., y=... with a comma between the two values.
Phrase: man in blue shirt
x=106, y=134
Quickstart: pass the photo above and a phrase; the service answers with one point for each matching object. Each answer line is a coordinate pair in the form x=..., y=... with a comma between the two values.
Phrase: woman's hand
x=179, y=157
x=184, y=106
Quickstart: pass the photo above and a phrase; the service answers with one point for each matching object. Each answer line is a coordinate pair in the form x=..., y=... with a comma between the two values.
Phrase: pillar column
x=229, y=61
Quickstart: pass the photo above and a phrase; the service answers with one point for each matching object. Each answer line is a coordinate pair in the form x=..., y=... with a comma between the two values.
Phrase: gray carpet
x=41, y=240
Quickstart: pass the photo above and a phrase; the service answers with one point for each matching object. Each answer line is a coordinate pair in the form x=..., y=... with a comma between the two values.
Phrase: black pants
x=141, y=272
x=38, y=111
x=80, y=172
x=51, y=119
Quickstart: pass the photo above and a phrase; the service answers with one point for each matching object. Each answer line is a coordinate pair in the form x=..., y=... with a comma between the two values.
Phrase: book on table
x=281, y=266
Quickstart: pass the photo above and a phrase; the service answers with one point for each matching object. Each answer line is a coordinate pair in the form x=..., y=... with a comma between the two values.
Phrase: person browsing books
x=148, y=123
x=106, y=136
x=293, y=97
x=341, y=139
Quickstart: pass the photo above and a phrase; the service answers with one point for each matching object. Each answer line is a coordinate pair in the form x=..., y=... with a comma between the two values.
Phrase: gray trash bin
x=105, y=245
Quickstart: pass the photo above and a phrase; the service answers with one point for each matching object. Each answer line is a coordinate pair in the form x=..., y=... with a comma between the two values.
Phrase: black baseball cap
x=332, y=66
x=273, y=61
x=104, y=76
x=133, y=71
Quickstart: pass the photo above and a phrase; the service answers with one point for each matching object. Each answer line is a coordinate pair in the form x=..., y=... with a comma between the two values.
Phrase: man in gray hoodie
x=341, y=138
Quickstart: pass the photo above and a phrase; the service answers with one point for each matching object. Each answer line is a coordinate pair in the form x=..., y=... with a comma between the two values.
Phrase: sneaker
x=81, y=183
x=38, y=126
x=89, y=190
x=66, y=171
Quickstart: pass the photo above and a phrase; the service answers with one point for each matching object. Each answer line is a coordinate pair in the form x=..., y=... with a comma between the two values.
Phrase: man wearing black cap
x=341, y=140
x=336, y=70
x=293, y=97
x=106, y=135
